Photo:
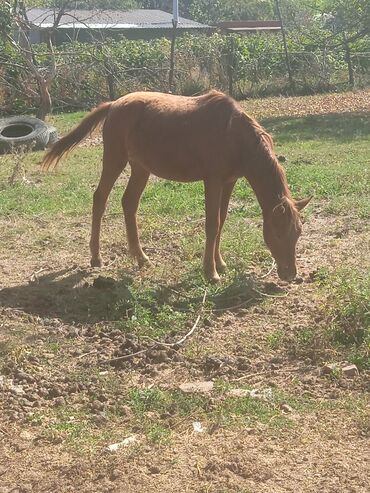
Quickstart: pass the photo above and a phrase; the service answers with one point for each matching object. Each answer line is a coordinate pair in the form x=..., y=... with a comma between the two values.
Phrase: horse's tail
x=69, y=141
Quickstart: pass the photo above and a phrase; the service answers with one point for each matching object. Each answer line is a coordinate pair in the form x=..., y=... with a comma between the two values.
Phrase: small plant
x=349, y=313
x=19, y=170
x=274, y=339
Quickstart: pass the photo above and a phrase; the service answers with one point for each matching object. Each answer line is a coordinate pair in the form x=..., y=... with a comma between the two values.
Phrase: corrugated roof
x=109, y=19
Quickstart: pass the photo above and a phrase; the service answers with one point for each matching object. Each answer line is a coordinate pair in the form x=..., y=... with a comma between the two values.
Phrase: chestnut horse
x=187, y=139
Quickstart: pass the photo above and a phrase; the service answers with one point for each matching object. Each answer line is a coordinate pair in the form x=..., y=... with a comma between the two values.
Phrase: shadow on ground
x=342, y=127
x=83, y=296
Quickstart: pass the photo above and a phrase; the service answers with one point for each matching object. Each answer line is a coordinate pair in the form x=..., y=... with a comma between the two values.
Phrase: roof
x=109, y=19
x=250, y=26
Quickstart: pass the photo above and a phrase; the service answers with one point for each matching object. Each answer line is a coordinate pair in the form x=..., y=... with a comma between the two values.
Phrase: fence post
x=287, y=61
x=347, y=53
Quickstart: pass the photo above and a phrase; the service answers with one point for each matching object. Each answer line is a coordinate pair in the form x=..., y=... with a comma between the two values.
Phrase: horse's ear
x=301, y=204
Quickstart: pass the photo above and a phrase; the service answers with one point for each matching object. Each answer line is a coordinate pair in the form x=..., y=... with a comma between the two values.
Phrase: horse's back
x=175, y=137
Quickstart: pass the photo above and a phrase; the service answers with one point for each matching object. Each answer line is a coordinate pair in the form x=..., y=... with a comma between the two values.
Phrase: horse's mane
x=259, y=139
x=265, y=151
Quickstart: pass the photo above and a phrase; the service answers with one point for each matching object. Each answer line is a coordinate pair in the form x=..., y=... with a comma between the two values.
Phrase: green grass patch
x=348, y=312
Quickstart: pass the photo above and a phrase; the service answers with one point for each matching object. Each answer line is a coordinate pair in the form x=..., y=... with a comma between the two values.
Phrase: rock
x=160, y=356
x=212, y=363
x=54, y=392
x=21, y=375
x=59, y=401
x=286, y=408
x=97, y=406
x=126, y=411
x=125, y=443
x=100, y=419
x=115, y=474
x=198, y=427
x=298, y=280
x=328, y=369
x=350, y=371
x=32, y=397
x=243, y=363
x=239, y=393
x=203, y=387
x=72, y=332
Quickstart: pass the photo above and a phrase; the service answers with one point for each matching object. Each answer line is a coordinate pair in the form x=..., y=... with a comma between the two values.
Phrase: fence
x=87, y=75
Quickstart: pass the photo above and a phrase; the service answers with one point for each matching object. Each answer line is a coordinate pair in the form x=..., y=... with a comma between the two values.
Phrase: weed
x=274, y=339
x=348, y=312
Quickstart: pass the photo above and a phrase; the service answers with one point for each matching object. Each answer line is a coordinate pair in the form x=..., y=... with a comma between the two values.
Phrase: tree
x=15, y=30
x=213, y=11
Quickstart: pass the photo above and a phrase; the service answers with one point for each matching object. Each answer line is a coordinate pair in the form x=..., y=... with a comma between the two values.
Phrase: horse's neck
x=268, y=181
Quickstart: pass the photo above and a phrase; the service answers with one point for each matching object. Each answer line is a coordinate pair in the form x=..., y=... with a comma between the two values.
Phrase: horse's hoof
x=96, y=262
x=142, y=261
x=213, y=278
x=221, y=266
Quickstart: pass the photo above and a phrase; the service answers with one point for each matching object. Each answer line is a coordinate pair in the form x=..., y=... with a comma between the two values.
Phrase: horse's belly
x=185, y=169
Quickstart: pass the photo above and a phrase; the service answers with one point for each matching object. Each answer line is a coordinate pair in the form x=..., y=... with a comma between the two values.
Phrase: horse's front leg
x=130, y=203
x=213, y=190
x=225, y=199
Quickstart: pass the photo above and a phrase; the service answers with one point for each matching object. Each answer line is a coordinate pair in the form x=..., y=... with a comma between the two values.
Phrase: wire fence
x=86, y=77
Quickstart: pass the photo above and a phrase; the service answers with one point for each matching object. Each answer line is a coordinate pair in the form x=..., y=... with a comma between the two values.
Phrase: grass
x=348, y=313
x=46, y=223
x=159, y=414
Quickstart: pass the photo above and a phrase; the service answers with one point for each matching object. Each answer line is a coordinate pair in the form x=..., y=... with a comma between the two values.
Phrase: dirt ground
x=65, y=397
x=325, y=450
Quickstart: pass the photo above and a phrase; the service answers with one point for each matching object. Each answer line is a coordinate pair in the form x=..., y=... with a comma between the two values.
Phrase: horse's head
x=281, y=229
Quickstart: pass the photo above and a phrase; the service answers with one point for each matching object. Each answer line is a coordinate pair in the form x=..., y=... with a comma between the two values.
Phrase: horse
x=205, y=138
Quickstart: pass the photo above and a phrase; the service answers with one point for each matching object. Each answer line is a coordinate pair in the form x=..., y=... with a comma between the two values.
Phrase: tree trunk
x=45, y=100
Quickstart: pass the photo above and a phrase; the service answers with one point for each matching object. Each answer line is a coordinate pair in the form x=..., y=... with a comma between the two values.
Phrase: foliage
x=246, y=66
x=348, y=312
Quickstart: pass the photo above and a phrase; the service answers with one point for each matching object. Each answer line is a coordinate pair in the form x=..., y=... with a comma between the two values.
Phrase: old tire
x=53, y=136
x=23, y=131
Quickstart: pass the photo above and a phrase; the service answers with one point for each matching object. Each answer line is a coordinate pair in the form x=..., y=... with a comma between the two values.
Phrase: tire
x=53, y=136
x=23, y=131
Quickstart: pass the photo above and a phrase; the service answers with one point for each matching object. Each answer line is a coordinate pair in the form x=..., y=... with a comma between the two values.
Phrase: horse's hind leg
x=130, y=203
x=113, y=164
x=213, y=190
x=225, y=199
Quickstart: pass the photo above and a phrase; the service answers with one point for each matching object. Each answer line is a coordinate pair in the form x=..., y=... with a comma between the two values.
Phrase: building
x=88, y=25
x=249, y=27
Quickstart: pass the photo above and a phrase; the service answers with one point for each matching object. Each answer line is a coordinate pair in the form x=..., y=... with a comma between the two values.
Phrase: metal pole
x=175, y=20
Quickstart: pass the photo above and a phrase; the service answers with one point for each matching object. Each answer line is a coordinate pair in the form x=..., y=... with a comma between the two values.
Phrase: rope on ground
x=159, y=343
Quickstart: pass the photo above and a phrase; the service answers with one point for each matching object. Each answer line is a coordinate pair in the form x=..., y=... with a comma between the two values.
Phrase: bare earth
x=326, y=448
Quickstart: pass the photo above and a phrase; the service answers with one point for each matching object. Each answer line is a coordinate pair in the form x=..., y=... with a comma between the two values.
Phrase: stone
x=239, y=393
x=328, y=368
x=115, y=474
x=286, y=408
x=59, y=401
x=97, y=406
x=350, y=371
x=125, y=443
x=126, y=411
x=202, y=387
